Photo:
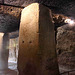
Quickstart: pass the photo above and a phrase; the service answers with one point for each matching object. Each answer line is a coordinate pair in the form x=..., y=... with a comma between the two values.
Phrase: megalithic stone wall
x=4, y=50
x=37, y=55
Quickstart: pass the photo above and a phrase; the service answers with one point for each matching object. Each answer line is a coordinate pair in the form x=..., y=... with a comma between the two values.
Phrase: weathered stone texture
x=65, y=7
x=14, y=11
x=4, y=51
x=13, y=35
x=37, y=54
x=15, y=2
x=66, y=47
x=19, y=2
x=9, y=18
x=66, y=38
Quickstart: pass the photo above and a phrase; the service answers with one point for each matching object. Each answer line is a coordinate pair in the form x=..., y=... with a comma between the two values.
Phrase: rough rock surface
x=66, y=38
x=66, y=46
x=13, y=35
x=8, y=23
x=9, y=18
x=66, y=7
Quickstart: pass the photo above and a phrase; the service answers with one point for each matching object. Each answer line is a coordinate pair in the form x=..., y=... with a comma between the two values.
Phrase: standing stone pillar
x=37, y=55
x=4, y=52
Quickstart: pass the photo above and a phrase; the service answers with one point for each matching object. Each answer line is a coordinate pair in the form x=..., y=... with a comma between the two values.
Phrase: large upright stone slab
x=4, y=51
x=37, y=55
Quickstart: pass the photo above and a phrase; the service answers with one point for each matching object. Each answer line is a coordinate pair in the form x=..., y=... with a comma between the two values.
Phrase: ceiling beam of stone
x=14, y=34
x=66, y=7
x=14, y=11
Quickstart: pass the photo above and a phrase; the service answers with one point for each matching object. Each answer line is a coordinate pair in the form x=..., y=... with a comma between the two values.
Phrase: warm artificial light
x=69, y=21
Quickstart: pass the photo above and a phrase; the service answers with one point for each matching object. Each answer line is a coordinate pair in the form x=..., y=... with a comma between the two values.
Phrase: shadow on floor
x=8, y=72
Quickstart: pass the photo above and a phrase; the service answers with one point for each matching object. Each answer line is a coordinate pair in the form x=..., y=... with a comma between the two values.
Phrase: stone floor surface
x=8, y=72
x=13, y=70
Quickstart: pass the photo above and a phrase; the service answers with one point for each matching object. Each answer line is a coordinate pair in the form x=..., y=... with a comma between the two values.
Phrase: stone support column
x=37, y=55
x=4, y=51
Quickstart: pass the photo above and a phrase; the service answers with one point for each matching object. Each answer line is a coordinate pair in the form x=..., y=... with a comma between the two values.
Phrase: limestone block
x=37, y=54
x=4, y=51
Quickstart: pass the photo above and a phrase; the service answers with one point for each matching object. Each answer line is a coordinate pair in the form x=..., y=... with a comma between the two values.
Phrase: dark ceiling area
x=66, y=7
x=8, y=23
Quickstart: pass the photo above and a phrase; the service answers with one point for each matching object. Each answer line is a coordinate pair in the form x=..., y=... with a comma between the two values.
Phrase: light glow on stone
x=1, y=34
x=70, y=22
